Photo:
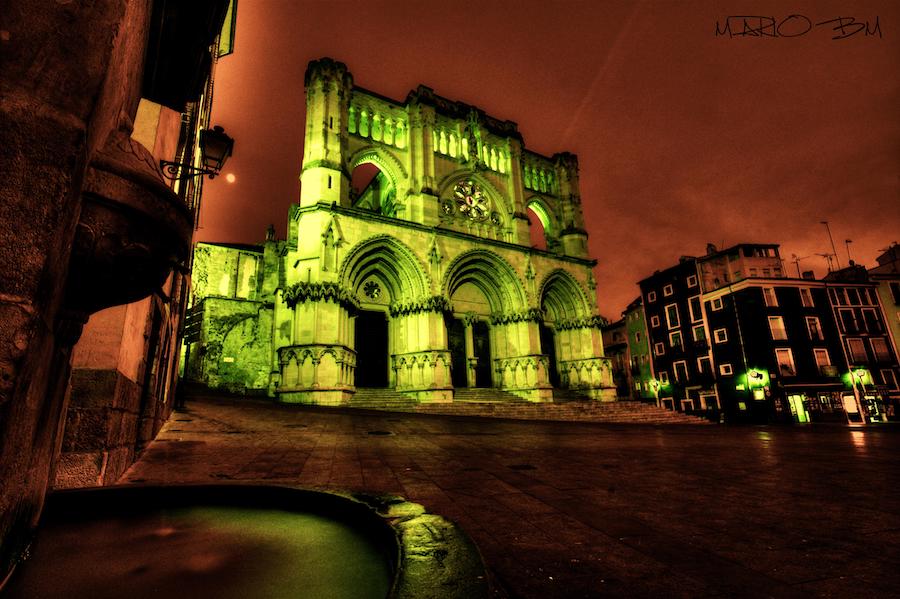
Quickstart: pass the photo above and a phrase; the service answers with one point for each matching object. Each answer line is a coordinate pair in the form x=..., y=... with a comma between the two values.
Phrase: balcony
x=828, y=371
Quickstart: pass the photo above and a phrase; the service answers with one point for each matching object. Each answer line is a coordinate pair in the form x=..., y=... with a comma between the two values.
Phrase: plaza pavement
x=586, y=510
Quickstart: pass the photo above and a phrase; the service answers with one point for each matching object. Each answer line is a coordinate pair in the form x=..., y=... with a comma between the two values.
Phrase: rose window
x=470, y=200
x=372, y=290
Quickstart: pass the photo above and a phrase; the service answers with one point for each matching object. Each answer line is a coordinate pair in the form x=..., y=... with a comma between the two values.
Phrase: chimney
x=710, y=249
x=808, y=275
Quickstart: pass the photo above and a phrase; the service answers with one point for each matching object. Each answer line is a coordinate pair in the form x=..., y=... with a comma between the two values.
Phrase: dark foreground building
x=87, y=219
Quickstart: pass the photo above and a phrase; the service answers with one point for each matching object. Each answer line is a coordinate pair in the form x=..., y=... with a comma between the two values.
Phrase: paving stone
x=570, y=509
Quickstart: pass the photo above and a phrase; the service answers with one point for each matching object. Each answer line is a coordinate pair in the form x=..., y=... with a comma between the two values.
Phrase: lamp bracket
x=178, y=171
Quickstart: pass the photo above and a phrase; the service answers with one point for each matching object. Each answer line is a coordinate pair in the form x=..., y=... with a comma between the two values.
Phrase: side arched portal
x=570, y=335
x=399, y=336
x=382, y=274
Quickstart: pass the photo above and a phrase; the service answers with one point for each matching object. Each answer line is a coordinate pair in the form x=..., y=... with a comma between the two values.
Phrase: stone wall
x=236, y=347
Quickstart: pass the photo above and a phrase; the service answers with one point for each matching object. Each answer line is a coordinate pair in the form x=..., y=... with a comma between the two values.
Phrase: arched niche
x=377, y=182
x=543, y=229
x=387, y=260
x=491, y=275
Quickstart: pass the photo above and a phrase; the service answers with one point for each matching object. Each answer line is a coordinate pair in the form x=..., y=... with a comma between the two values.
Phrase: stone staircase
x=481, y=395
x=367, y=398
x=493, y=403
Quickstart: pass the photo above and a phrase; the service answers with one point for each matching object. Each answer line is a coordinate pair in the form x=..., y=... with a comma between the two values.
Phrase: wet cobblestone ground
x=587, y=510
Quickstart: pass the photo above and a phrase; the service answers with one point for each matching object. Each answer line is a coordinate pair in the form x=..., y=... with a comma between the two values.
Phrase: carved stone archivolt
x=529, y=315
x=435, y=303
x=299, y=293
x=590, y=322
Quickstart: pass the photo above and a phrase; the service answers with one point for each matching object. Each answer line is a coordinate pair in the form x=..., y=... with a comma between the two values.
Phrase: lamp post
x=215, y=148
x=858, y=375
x=654, y=384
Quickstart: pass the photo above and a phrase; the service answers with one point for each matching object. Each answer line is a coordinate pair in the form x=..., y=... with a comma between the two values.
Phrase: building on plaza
x=677, y=339
x=615, y=346
x=91, y=96
x=886, y=277
x=640, y=372
x=408, y=263
x=731, y=336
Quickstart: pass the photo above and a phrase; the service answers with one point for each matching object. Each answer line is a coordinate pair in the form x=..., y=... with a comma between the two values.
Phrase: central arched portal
x=469, y=337
x=482, y=288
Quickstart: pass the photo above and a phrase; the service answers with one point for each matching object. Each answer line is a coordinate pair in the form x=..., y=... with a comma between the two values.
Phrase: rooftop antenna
x=828, y=258
x=833, y=250
x=796, y=260
x=847, y=243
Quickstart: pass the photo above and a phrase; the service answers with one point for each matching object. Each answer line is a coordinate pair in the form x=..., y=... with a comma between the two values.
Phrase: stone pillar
x=582, y=365
x=319, y=365
x=521, y=367
x=471, y=360
x=422, y=205
x=573, y=236
x=520, y=228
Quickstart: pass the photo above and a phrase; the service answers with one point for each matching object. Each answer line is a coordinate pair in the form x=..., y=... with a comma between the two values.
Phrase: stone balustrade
x=422, y=370
x=526, y=376
x=448, y=141
x=378, y=124
x=316, y=373
x=539, y=179
x=592, y=376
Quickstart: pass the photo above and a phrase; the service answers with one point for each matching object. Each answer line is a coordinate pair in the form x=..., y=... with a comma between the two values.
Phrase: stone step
x=485, y=395
x=568, y=405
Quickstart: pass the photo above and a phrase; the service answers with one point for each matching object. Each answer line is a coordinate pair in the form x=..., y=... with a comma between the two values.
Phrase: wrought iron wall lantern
x=215, y=148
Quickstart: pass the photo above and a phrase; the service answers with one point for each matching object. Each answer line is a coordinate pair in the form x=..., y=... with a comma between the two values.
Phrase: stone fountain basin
x=242, y=541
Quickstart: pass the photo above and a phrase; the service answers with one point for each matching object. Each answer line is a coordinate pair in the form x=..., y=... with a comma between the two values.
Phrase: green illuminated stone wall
x=431, y=264
x=639, y=348
x=233, y=294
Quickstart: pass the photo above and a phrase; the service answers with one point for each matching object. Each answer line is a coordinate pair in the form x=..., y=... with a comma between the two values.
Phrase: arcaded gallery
x=410, y=263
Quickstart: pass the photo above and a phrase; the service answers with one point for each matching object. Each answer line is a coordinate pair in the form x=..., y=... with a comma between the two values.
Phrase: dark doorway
x=456, y=341
x=371, y=344
x=482, y=343
x=548, y=346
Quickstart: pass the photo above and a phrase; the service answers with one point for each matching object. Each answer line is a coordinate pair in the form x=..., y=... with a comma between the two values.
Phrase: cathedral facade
x=423, y=280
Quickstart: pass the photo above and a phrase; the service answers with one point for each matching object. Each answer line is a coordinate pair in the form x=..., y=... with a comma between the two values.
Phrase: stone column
x=471, y=360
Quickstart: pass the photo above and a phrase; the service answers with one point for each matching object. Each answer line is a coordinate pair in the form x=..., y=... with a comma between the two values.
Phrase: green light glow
x=858, y=376
x=755, y=378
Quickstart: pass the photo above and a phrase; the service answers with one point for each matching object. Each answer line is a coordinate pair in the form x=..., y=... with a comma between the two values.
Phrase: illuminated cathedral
x=422, y=279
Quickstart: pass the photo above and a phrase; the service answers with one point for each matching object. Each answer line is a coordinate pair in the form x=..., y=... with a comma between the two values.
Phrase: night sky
x=683, y=137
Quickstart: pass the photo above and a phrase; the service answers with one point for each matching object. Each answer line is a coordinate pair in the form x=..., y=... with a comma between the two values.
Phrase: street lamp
x=215, y=148
x=858, y=375
x=654, y=384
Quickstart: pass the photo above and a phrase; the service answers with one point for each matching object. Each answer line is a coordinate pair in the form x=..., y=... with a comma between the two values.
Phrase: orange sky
x=683, y=137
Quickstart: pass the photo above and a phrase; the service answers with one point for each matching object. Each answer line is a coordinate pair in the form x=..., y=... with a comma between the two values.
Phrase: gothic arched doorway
x=371, y=341
x=482, y=289
x=384, y=276
x=564, y=306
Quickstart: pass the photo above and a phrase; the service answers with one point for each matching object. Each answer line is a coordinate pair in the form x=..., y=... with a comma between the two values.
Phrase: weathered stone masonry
x=426, y=280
